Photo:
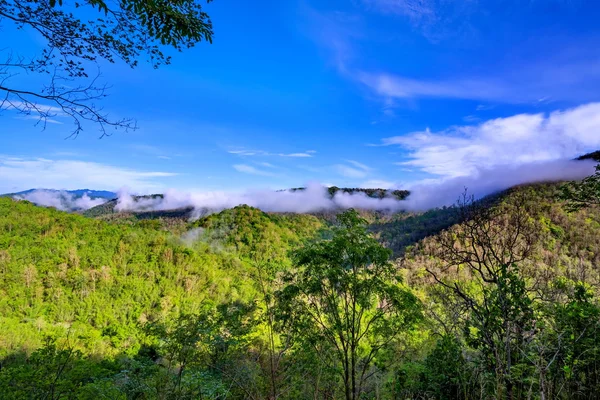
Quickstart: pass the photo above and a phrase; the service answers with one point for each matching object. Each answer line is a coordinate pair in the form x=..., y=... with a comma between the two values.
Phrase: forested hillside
x=488, y=299
x=65, y=275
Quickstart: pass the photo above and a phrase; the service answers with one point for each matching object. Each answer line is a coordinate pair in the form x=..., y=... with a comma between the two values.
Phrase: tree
x=345, y=292
x=204, y=350
x=576, y=336
x=480, y=261
x=51, y=372
x=582, y=194
x=125, y=30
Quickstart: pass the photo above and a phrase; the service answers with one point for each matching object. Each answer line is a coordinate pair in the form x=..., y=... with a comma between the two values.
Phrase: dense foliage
x=493, y=299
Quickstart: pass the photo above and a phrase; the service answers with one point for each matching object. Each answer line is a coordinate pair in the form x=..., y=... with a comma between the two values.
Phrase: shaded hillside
x=564, y=240
x=590, y=156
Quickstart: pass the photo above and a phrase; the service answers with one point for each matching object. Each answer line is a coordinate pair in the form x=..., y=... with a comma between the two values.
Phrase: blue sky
x=351, y=93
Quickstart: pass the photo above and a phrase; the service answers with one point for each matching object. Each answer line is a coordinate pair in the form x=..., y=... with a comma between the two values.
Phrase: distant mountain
x=146, y=206
x=94, y=194
x=145, y=209
x=65, y=200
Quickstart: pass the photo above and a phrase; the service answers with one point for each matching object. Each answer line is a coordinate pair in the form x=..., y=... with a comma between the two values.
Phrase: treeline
x=503, y=304
x=376, y=193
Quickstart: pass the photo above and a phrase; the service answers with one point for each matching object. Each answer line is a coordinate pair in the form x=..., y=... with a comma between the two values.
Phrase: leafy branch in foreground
x=124, y=31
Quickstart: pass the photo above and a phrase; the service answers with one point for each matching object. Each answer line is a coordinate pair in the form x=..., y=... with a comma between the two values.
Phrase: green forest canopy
x=130, y=308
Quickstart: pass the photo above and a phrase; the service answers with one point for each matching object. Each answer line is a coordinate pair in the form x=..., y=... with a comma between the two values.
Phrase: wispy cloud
x=17, y=173
x=398, y=87
x=567, y=74
x=511, y=141
x=68, y=154
x=249, y=169
x=359, y=165
x=61, y=200
x=335, y=33
x=152, y=151
x=436, y=20
x=350, y=172
x=414, y=9
x=265, y=164
x=33, y=107
x=556, y=79
x=471, y=118
x=353, y=169
x=36, y=117
x=377, y=184
x=301, y=155
x=251, y=153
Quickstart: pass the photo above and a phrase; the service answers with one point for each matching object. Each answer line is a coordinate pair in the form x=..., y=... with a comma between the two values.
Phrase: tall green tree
x=345, y=292
x=77, y=35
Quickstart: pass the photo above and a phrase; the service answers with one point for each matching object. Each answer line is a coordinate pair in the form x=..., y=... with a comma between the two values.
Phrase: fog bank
x=60, y=200
x=424, y=195
x=427, y=195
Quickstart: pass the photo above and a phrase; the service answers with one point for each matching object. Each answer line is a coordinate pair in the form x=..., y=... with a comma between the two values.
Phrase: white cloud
x=61, y=200
x=549, y=71
x=152, y=151
x=359, y=165
x=36, y=117
x=445, y=192
x=350, y=172
x=246, y=152
x=295, y=155
x=424, y=195
x=471, y=118
x=511, y=141
x=557, y=78
x=25, y=173
x=265, y=164
x=249, y=169
x=314, y=198
x=33, y=107
x=250, y=153
x=377, y=184
x=393, y=86
x=353, y=169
